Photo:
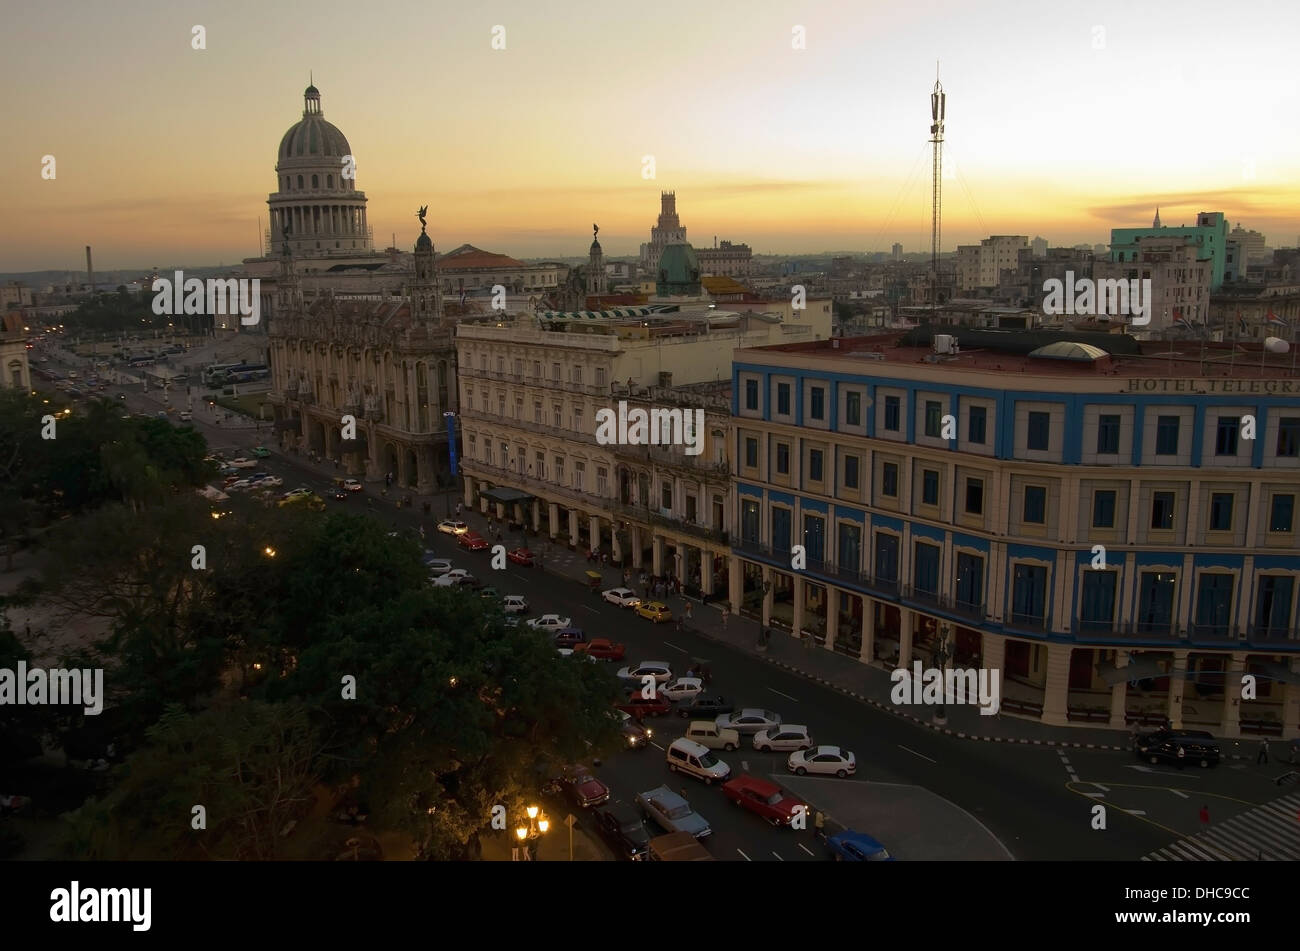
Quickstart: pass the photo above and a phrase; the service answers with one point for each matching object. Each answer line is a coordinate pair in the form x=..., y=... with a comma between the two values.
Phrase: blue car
x=850, y=846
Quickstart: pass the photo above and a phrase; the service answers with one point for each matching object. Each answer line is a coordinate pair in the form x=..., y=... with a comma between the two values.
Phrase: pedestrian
x=643, y=579
x=688, y=610
x=1262, y=757
x=1205, y=817
x=458, y=510
x=681, y=622
x=725, y=611
x=819, y=823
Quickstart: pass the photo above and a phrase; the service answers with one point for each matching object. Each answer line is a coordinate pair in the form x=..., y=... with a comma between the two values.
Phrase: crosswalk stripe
x=1269, y=830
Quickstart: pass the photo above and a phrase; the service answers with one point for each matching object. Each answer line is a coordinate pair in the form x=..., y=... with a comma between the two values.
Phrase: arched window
x=286, y=183
x=300, y=181
x=329, y=181
x=315, y=181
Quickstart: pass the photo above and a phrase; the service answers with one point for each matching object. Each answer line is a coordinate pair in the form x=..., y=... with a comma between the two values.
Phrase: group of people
x=660, y=587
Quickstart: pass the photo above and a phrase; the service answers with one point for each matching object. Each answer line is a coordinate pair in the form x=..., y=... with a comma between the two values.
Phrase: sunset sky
x=165, y=154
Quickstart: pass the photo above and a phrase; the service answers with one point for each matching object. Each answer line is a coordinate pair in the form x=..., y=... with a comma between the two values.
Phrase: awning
x=506, y=496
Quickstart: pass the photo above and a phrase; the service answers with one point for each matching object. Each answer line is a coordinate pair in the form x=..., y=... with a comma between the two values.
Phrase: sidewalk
x=869, y=683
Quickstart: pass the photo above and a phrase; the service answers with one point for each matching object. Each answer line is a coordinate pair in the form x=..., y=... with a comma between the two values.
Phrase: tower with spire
x=597, y=282
x=426, y=298
x=1156, y=222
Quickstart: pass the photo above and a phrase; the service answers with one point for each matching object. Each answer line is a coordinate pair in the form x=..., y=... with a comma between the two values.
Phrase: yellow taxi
x=654, y=611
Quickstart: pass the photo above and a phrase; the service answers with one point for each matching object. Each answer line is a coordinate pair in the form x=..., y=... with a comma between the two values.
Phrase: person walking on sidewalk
x=1261, y=758
x=1205, y=817
x=725, y=611
x=688, y=610
x=458, y=510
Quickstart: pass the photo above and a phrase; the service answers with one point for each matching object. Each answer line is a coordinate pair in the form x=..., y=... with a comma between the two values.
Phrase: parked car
x=514, y=604
x=671, y=812
x=582, y=788
x=657, y=669
x=623, y=830
x=636, y=735
x=261, y=452
x=569, y=637
x=705, y=704
x=352, y=485
x=338, y=495
x=764, y=798
x=472, y=541
x=242, y=462
x=549, y=622
x=749, y=721
x=623, y=597
x=695, y=759
x=437, y=566
x=654, y=611
x=683, y=688
x=678, y=847
x=823, y=760
x=270, y=482
x=520, y=556
x=1179, y=747
x=602, y=649
x=709, y=734
x=452, y=578
x=450, y=526
x=641, y=707
x=850, y=846
x=787, y=736
x=240, y=485
x=186, y=416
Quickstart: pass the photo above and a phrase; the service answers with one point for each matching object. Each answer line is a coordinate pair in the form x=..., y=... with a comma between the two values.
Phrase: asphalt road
x=923, y=794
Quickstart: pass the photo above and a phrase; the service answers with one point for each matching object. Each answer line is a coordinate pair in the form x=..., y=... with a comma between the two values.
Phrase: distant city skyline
x=166, y=154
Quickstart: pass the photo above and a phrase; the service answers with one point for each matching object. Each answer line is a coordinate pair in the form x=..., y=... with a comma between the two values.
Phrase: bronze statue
x=424, y=210
x=595, y=230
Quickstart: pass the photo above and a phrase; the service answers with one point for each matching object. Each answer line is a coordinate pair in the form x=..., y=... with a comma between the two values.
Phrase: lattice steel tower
x=937, y=103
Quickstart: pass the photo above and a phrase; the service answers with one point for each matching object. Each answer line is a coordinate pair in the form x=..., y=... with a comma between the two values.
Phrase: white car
x=549, y=622
x=514, y=604
x=295, y=493
x=270, y=482
x=748, y=721
x=241, y=485
x=787, y=736
x=683, y=688
x=187, y=416
x=623, y=597
x=438, y=566
x=452, y=527
x=827, y=760
x=452, y=578
x=657, y=669
x=352, y=485
x=242, y=463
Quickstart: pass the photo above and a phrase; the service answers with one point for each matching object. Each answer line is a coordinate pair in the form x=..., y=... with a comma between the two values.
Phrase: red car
x=763, y=798
x=639, y=707
x=582, y=788
x=472, y=540
x=521, y=556
x=601, y=648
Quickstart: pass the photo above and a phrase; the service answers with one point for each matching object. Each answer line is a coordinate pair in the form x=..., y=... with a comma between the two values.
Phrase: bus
x=240, y=373
x=215, y=369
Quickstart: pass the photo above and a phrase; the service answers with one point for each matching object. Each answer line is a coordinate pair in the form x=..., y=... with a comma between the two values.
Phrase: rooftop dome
x=679, y=269
x=312, y=136
x=1069, y=350
x=423, y=241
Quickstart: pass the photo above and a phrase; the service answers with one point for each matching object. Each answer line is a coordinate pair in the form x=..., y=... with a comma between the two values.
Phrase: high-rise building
x=1180, y=280
x=1039, y=246
x=666, y=230
x=897, y=251
x=1209, y=236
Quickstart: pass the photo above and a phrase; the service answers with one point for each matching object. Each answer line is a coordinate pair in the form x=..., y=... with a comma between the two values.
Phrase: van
x=678, y=847
x=687, y=756
x=709, y=734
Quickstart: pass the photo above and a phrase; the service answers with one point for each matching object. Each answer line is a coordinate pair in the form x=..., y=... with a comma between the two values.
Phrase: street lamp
x=530, y=835
x=943, y=655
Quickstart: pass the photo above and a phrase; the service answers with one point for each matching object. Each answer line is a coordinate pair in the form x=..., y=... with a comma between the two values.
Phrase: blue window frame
x=780, y=530
x=925, y=577
x=933, y=418
x=892, y=414
x=783, y=399
x=849, y=554
x=815, y=460
x=1038, y=431
x=1288, y=437
x=853, y=408
x=1225, y=438
x=1221, y=511
x=1029, y=594
x=889, y=480
x=976, y=428
x=970, y=580
x=1273, y=605
x=1167, y=435
x=1108, y=435
x=749, y=520
x=1103, y=508
x=1214, y=603
x=1281, y=512
x=1155, y=602
x=1036, y=504
x=929, y=487
x=817, y=403
x=886, y=557
x=1097, y=604
x=814, y=538
x=751, y=394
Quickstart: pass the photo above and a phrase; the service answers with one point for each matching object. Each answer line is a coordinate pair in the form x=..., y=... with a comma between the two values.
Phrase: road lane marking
x=1182, y=795
x=588, y=607
x=656, y=746
x=675, y=647
x=744, y=856
x=915, y=753
x=780, y=694
x=778, y=857
x=518, y=575
x=806, y=849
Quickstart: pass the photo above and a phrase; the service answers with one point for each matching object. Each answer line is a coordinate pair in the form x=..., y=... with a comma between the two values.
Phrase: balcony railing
x=1026, y=622
x=675, y=456
x=932, y=599
x=1262, y=634
x=1137, y=630
x=676, y=523
x=513, y=477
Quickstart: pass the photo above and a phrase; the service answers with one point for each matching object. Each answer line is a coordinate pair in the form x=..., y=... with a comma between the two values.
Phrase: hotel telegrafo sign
x=1267, y=387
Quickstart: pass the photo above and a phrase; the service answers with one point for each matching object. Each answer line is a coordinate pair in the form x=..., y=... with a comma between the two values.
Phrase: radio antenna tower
x=937, y=103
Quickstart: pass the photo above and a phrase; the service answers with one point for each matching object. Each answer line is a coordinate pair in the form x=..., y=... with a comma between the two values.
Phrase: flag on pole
x=1181, y=321
x=462, y=298
x=1273, y=320
x=1241, y=323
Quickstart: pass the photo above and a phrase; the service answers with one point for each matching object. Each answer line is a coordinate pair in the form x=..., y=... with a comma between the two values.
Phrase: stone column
x=593, y=531
x=657, y=558
x=1231, y=719
x=735, y=583
x=1056, y=686
x=1177, y=682
x=537, y=514
x=519, y=513
x=638, y=557
x=469, y=492
x=706, y=572
x=1119, y=694
x=616, y=547
x=768, y=597
x=868, y=629
x=993, y=656
x=905, y=620
x=553, y=519
x=573, y=528
x=800, y=592
x=832, y=615
x=683, y=564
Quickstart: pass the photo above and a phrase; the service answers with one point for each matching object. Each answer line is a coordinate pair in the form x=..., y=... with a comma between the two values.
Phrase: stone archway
x=411, y=471
x=388, y=460
x=356, y=452
x=316, y=436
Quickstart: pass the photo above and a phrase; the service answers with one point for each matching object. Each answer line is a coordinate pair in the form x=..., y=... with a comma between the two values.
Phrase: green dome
x=423, y=241
x=679, y=270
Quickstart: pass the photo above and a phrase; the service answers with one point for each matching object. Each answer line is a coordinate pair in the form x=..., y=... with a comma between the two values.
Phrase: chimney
x=90, y=270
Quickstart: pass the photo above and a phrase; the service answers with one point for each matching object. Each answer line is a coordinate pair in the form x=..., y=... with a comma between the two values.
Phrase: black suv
x=1178, y=746
x=623, y=830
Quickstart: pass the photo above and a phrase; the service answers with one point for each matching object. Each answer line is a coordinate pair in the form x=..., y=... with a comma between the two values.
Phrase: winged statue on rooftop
x=424, y=210
x=595, y=230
